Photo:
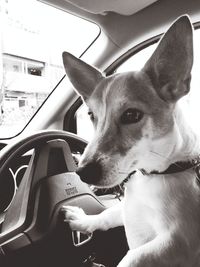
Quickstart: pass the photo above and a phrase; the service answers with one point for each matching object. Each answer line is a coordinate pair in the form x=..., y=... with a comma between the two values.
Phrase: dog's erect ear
x=169, y=68
x=82, y=76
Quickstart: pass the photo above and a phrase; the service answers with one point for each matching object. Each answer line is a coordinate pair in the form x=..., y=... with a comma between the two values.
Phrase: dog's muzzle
x=90, y=173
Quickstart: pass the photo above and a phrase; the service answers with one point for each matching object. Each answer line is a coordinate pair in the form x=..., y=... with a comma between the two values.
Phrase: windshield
x=33, y=36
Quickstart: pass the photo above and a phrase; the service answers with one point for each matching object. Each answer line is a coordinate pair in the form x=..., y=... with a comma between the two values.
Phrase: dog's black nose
x=90, y=173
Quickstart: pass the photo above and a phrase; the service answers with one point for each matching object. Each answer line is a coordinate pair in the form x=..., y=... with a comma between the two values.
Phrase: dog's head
x=134, y=113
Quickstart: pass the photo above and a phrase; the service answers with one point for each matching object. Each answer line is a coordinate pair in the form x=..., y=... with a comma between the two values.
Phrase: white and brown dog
x=139, y=125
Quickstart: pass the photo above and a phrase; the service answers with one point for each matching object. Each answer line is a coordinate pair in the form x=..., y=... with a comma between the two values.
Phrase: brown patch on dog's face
x=120, y=148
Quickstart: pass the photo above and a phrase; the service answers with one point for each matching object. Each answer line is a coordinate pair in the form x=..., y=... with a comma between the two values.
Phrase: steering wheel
x=49, y=183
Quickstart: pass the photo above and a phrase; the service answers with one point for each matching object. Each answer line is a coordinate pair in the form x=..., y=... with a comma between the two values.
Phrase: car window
x=33, y=36
x=135, y=63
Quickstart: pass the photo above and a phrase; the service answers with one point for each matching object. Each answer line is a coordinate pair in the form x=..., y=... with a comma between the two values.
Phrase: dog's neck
x=189, y=146
x=186, y=146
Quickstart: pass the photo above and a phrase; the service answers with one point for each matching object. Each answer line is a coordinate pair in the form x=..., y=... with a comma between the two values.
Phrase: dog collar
x=180, y=166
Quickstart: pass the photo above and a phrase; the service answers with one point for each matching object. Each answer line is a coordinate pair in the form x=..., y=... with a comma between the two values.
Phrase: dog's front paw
x=78, y=220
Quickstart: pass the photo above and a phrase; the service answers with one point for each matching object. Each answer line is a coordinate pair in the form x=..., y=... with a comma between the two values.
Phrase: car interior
x=44, y=125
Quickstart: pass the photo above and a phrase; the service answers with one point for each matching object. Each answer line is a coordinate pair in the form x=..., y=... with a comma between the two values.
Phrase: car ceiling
x=122, y=21
x=125, y=7
x=102, y=7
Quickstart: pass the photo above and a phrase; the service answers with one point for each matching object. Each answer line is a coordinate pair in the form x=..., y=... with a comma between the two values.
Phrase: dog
x=141, y=133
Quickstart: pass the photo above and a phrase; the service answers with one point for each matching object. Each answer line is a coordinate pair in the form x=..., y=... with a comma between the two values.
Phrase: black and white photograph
x=99, y=133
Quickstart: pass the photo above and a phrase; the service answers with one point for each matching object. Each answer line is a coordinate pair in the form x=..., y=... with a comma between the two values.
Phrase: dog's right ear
x=82, y=76
x=169, y=68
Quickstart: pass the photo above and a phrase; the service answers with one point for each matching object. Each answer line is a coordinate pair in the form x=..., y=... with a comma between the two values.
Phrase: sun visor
x=125, y=7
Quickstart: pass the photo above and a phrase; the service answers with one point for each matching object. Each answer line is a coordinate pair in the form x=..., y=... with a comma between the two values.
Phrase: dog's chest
x=144, y=209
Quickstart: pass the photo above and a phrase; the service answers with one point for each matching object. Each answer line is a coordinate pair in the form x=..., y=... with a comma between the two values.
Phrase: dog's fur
x=160, y=212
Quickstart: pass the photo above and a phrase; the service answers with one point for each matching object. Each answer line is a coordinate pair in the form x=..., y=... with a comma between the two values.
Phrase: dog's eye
x=131, y=115
x=91, y=114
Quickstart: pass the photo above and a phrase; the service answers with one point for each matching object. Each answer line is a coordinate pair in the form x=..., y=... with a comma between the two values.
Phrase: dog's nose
x=90, y=173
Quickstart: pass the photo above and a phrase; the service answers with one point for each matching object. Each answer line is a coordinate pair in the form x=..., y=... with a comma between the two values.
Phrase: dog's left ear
x=82, y=76
x=169, y=68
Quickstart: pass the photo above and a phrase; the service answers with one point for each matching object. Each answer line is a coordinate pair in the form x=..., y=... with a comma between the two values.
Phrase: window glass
x=85, y=127
x=33, y=36
x=136, y=63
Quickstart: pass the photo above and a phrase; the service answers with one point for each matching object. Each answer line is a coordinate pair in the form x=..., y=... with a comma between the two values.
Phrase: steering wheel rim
x=23, y=144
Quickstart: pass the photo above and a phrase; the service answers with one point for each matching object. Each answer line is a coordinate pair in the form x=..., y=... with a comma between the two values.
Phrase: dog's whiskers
x=120, y=172
x=164, y=157
x=158, y=154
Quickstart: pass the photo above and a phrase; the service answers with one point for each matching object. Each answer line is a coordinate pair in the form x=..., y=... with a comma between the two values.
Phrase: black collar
x=180, y=166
